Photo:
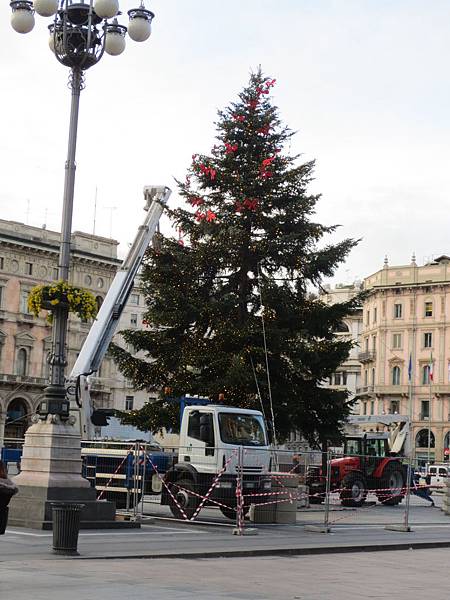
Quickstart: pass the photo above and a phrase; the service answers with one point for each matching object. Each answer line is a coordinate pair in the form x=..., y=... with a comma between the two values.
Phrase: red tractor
x=367, y=465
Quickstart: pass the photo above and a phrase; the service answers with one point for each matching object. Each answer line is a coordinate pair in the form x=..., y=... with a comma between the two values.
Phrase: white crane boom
x=105, y=324
x=398, y=436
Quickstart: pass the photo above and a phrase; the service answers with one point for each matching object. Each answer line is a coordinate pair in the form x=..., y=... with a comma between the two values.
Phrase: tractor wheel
x=353, y=490
x=392, y=484
x=186, y=502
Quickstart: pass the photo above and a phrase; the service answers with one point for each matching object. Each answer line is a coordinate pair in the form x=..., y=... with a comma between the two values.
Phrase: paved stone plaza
x=381, y=575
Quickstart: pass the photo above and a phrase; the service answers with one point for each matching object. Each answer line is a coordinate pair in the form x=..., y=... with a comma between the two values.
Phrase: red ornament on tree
x=264, y=130
x=239, y=118
x=210, y=216
x=230, y=148
x=196, y=201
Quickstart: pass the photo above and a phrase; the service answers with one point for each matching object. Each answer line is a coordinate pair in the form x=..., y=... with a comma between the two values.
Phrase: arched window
x=396, y=375
x=16, y=420
x=447, y=440
x=426, y=374
x=342, y=328
x=99, y=301
x=422, y=439
x=22, y=362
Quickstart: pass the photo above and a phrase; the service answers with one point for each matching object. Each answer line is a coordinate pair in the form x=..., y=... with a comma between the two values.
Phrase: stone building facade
x=29, y=256
x=405, y=351
x=347, y=376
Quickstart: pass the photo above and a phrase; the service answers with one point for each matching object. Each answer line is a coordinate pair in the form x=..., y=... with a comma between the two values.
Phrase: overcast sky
x=364, y=82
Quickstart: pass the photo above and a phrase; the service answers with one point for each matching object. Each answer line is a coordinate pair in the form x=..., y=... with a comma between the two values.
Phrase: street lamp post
x=80, y=34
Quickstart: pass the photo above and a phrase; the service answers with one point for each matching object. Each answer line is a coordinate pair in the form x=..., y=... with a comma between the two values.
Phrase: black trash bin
x=66, y=525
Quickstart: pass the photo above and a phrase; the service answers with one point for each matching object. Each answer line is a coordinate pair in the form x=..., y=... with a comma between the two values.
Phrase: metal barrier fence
x=250, y=485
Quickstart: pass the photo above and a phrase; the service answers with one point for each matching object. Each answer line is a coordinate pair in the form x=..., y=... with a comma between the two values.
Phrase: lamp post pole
x=80, y=34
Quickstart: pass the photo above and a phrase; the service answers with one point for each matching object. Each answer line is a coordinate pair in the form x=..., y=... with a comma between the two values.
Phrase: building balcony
x=365, y=389
x=392, y=390
x=365, y=357
x=10, y=378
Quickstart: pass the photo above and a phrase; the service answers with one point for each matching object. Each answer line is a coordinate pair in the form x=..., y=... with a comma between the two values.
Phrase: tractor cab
x=367, y=444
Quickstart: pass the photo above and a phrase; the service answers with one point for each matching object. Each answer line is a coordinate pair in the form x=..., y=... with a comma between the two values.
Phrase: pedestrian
x=7, y=490
x=421, y=491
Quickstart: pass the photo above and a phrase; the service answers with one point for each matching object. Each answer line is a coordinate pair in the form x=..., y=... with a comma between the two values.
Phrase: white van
x=438, y=476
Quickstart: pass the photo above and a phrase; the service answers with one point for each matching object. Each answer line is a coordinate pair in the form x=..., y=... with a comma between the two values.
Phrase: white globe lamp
x=115, y=39
x=22, y=18
x=45, y=8
x=106, y=9
x=140, y=25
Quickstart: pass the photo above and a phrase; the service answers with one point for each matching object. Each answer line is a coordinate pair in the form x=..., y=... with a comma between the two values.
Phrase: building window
x=364, y=408
x=426, y=374
x=427, y=340
x=366, y=342
x=372, y=407
x=2, y=295
x=129, y=402
x=134, y=299
x=374, y=343
x=98, y=302
x=24, y=301
x=373, y=376
x=2, y=263
x=28, y=268
x=133, y=320
x=396, y=375
x=397, y=340
x=395, y=407
x=397, y=311
x=375, y=315
x=344, y=377
x=424, y=437
x=368, y=318
x=55, y=274
x=428, y=309
x=366, y=377
x=337, y=379
x=22, y=360
x=424, y=410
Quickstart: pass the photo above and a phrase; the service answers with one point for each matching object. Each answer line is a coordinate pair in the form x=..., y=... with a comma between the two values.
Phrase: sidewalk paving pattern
x=361, y=529
x=381, y=576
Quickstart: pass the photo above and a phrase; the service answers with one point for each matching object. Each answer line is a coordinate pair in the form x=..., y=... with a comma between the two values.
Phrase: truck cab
x=218, y=444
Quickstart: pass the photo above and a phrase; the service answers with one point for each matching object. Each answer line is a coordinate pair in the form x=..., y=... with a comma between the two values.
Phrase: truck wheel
x=186, y=501
x=353, y=490
x=392, y=485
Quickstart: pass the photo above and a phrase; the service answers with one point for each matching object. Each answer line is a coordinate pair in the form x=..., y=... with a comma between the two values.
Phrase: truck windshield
x=242, y=430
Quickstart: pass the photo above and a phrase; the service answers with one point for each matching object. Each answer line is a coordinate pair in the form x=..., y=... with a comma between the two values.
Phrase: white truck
x=220, y=447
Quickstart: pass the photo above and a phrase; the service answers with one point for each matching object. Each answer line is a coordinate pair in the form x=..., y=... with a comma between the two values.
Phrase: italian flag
x=431, y=367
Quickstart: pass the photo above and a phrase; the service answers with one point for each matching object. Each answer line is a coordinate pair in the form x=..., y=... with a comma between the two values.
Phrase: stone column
x=2, y=428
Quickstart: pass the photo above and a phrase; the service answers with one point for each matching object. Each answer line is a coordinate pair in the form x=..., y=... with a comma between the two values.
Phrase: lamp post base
x=51, y=472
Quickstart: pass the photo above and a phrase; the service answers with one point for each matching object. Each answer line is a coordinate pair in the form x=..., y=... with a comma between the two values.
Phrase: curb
x=277, y=551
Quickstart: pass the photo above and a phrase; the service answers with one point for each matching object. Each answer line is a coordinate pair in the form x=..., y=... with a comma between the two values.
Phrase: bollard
x=66, y=525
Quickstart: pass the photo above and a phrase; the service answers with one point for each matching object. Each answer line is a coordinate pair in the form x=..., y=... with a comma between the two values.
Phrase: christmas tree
x=230, y=312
